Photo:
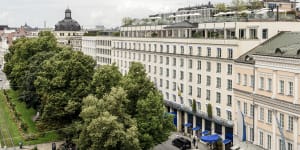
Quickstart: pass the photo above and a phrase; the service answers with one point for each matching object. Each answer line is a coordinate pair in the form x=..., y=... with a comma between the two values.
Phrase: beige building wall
x=269, y=99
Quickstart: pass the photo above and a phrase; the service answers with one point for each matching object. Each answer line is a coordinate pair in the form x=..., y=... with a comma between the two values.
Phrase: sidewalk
x=44, y=146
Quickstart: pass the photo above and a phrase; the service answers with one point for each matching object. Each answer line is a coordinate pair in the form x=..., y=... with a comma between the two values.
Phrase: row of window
x=269, y=86
x=103, y=51
x=95, y=43
x=103, y=60
x=245, y=80
x=267, y=144
x=167, y=49
x=180, y=88
x=181, y=62
x=290, y=122
x=281, y=88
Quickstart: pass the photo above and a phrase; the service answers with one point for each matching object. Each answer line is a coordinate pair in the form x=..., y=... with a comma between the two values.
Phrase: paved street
x=4, y=84
x=167, y=145
x=44, y=146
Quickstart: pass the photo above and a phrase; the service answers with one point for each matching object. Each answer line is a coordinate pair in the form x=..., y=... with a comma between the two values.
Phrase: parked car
x=182, y=143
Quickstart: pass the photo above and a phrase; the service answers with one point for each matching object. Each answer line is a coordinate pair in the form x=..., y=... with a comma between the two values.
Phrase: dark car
x=182, y=143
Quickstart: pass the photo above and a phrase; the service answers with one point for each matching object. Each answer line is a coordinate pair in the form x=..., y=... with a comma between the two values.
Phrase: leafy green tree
x=28, y=93
x=107, y=126
x=154, y=124
x=256, y=4
x=127, y=21
x=146, y=105
x=239, y=5
x=62, y=82
x=220, y=7
x=137, y=85
x=104, y=79
x=23, y=62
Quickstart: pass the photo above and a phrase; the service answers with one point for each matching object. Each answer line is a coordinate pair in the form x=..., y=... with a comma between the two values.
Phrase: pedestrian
x=20, y=145
x=53, y=146
x=194, y=141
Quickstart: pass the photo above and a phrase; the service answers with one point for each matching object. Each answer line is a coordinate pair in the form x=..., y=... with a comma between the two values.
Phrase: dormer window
x=278, y=51
x=248, y=58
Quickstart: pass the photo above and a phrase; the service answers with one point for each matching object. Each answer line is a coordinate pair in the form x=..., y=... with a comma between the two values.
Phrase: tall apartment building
x=193, y=14
x=266, y=94
x=185, y=67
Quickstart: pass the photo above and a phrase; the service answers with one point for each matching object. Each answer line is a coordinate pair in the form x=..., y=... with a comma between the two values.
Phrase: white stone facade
x=184, y=68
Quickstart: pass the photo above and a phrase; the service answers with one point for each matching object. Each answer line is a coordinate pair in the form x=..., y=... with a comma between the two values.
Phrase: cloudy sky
x=87, y=12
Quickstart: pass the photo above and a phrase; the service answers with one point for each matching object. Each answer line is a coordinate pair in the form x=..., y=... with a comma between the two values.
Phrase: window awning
x=226, y=141
x=211, y=138
x=196, y=128
x=205, y=132
x=188, y=124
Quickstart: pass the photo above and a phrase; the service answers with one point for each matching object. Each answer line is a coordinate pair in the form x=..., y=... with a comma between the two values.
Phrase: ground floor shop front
x=192, y=125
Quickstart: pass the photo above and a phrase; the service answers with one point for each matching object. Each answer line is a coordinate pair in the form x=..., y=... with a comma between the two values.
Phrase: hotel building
x=186, y=68
x=192, y=63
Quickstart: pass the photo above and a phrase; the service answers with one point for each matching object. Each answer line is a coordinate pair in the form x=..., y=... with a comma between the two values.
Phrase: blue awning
x=196, y=128
x=211, y=138
x=172, y=113
x=205, y=132
x=226, y=141
x=188, y=124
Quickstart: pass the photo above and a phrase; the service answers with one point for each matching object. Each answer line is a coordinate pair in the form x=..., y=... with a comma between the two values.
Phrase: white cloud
x=4, y=15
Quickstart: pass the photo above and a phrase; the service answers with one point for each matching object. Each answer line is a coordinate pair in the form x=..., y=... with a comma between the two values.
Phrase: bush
x=194, y=106
x=209, y=110
x=219, y=145
x=24, y=126
x=41, y=134
x=30, y=137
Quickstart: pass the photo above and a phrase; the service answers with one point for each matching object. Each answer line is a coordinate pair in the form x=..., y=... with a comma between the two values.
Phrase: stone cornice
x=278, y=63
x=273, y=103
x=178, y=55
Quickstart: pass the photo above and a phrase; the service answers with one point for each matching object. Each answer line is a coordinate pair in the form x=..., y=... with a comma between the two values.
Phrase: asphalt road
x=167, y=145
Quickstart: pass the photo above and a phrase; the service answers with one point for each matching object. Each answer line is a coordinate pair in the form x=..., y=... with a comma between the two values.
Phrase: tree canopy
x=23, y=61
x=141, y=102
x=62, y=83
x=107, y=126
x=104, y=79
x=137, y=85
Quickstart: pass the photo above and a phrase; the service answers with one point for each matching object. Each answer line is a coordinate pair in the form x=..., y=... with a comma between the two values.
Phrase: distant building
x=67, y=29
x=8, y=35
x=283, y=5
x=195, y=14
